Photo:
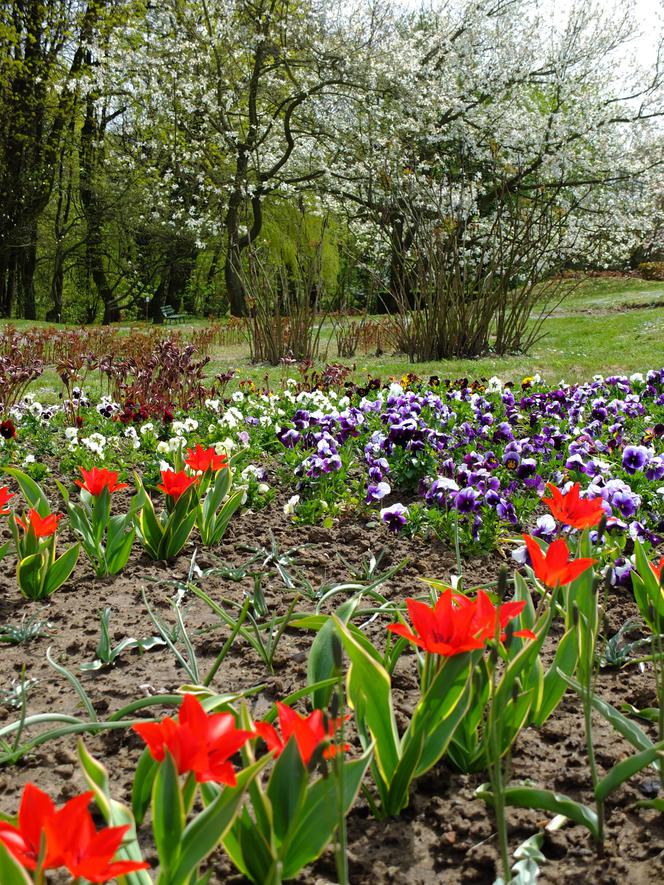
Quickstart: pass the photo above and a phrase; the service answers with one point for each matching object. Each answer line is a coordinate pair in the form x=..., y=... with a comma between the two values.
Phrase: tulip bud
x=502, y=582
x=317, y=758
x=601, y=528
x=334, y=706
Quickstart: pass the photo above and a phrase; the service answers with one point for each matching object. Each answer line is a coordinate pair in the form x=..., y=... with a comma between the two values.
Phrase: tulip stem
x=457, y=547
x=657, y=651
x=496, y=766
x=586, y=672
x=339, y=763
x=501, y=818
x=590, y=749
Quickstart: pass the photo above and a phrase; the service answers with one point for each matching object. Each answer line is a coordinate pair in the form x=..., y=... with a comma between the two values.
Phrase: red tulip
x=205, y=459
x=42, y=526
x=175, y=484
x=85, y=852
x=69, y=836
x=657, y=569
x=24, y=840
x=456, y=624
x=555, y=569
x=5, y=495
x=199, y=742
x=570, y=509
x=309, y=733
x=98, y=479
x=488, y=618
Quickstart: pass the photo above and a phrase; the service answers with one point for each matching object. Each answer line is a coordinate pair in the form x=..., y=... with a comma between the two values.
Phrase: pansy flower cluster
x=485, y=455
x=447, y=457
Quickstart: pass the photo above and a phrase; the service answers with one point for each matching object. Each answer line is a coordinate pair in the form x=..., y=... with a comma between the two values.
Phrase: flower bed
x=262, y=553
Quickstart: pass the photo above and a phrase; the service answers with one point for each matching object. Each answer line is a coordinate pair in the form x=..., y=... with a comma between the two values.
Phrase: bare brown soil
x=445, y=835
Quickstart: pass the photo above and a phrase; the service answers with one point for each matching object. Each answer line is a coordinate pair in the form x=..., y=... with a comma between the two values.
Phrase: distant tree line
x=147, y=149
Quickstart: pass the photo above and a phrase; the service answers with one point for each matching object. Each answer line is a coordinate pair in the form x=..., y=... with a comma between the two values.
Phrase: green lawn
x=605, y=325
x=601, y=327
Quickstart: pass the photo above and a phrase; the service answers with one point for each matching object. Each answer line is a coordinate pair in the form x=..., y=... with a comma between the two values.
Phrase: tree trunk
x=396, y=293
x=234, y=286
x=28, y=264
x=54, y=313
x=237, y=243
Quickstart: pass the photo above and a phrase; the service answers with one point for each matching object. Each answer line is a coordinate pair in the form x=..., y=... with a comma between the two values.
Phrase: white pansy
x=71, y=433
x=147, y=428
x=291, y=504
x=132, y=436
x=95, y=443
x=228, y=420
x=163, y=448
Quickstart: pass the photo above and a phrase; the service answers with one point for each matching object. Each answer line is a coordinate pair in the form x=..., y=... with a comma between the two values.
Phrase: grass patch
x=602, y=327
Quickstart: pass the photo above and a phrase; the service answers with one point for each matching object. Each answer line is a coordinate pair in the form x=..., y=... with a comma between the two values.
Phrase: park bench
x=170, y=316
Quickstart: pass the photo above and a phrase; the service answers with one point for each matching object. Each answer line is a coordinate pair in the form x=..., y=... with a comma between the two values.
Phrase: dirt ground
x=445, y=835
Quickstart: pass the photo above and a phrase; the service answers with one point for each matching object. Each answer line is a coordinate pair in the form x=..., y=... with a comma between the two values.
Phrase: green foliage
x=291, y=234
x=652, y=270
